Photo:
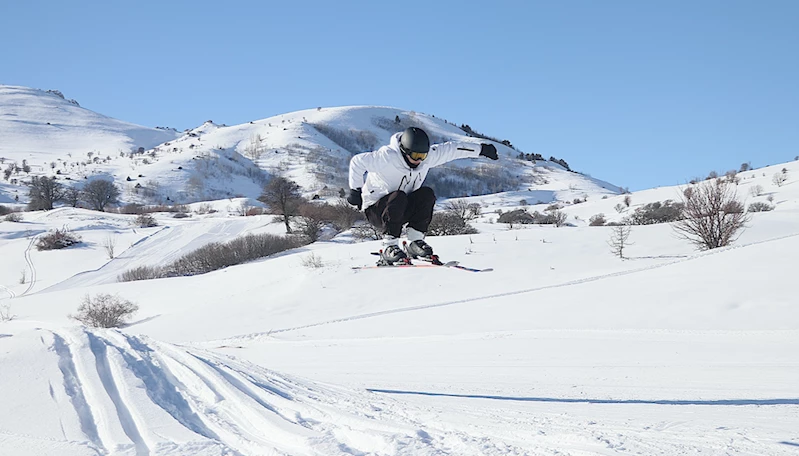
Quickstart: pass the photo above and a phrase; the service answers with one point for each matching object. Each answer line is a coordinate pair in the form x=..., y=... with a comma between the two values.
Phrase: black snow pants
x=394, y=210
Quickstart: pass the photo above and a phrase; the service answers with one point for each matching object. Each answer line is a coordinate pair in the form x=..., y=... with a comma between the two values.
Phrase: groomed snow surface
x=563, y=349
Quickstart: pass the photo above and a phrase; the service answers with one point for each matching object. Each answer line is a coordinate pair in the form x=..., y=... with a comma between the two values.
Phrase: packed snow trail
x=114, y=393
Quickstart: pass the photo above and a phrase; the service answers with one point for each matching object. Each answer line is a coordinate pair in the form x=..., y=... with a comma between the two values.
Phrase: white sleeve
x=359, y=166
x=448, y=151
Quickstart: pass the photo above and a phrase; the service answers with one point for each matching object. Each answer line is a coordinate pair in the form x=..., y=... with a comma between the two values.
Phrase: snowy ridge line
x=257, y=336
x=726, y=402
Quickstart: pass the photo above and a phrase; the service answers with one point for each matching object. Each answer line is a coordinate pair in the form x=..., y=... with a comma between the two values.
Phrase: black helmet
x=415, y=141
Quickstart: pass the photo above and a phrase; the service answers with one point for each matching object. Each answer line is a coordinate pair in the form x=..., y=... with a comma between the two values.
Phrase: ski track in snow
x=260, y=335
x=132, y=395
x=32, y=268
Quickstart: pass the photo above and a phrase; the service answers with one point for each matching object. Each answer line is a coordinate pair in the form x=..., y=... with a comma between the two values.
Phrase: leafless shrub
x=312, y=261
x=449, y=223
x=619, y=236
x=313, y=218
x=109, y=244
x=13, y=217
x=205, y=208
x=657, y=212
x=366, y=230
x=104, y=311
x=58, y=239
x=344, y=216
x=756, y=190
x=619, y=208
x=464, y=210
x=760, y=206
x=215, y=255
x=558, y=218
x=519, y=216
x=597, y=220
x=713, y=216
x=141, y=273
x=132, y=208
x=5, y=313
x=779, y=178
x=4, y=210
x=145, y=221
x=628, y=200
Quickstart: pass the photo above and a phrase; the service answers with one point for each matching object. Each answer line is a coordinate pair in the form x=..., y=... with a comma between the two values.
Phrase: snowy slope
x=42, y=127
x=313, y=147
x=562, y=349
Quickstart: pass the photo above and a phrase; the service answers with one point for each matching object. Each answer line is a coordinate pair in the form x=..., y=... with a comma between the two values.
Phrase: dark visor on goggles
x=413, y=155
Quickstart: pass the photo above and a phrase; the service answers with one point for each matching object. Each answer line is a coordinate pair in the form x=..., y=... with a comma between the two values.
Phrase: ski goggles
x=413, y=155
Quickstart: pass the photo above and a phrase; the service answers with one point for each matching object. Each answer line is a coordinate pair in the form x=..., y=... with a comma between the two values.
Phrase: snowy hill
x=312, y=147
x=562, y=349
x=41, y=126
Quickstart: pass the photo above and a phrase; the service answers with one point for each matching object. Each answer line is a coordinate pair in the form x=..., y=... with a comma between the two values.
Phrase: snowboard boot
x=420, y=249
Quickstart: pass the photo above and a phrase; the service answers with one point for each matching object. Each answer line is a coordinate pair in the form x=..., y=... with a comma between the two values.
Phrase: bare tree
x=462, y=209
x=71, y=196
x=43, y=193
x=313, y=218
x=283, y=197
x=780, y=178
x=99, y=193
x=713, y=216
x=559, y=218
x=255, y=148
x=618, y=239
x=109, y=244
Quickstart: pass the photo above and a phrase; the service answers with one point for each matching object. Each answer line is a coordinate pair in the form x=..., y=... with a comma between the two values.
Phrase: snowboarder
x=387, y=183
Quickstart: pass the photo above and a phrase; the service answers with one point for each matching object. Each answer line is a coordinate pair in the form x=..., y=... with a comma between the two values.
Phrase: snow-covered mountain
x=313, y=147
x=42, y=127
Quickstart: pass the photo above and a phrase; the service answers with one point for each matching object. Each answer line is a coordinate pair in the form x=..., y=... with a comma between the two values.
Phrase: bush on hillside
x=104, y=311
x=597, y=220
x=13, y=217
x=141, y=273
x=58, y=239
x=449, y=223
x=657, y=212
x=760, y=206
x=217, y=255
x=145, y=221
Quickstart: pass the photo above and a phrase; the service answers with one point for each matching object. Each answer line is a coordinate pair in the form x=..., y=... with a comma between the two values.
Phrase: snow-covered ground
x=563, y=349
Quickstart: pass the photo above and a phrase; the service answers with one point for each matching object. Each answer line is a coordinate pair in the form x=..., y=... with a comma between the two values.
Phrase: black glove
x=354, y=197
x=488, y=150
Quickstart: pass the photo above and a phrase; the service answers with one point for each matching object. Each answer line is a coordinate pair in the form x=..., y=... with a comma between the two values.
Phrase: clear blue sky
x=638, y=93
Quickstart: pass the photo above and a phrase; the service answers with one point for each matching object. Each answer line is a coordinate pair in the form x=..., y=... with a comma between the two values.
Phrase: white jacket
x=384, y=171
